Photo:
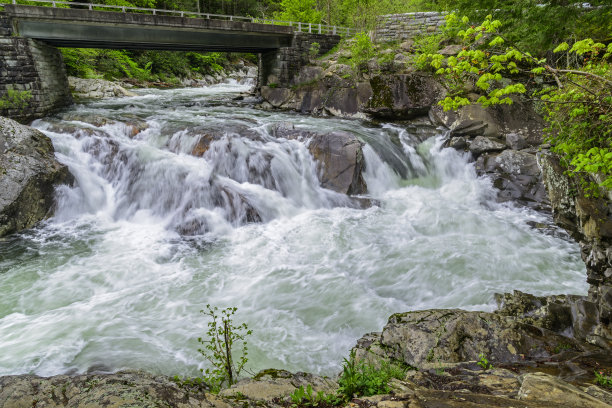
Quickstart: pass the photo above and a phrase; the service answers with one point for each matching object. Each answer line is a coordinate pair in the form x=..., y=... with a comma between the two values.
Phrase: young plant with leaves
x=222, y=337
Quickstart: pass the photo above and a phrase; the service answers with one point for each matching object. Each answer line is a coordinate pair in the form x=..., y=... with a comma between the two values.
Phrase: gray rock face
x=403, y=96
x=589, y=221
x=453, y=336
x=483, y=144
x=517, y=175
x=28, y=176
x=546, y=388
x=341, y=162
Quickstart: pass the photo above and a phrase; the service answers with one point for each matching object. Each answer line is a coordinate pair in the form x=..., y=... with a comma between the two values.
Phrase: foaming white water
x=151, y=233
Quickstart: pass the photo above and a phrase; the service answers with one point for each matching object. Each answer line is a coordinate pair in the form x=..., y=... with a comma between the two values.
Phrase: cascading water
x=186, y=197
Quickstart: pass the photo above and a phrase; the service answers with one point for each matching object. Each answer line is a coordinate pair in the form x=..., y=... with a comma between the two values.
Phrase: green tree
x=536, y=25
x=576, y=99
x=304, y=11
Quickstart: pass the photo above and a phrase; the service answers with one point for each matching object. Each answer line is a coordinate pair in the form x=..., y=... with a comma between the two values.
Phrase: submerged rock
x=29, y=173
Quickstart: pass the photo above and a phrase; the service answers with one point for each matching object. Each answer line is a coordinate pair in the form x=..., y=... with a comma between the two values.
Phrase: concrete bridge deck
x=66, y=27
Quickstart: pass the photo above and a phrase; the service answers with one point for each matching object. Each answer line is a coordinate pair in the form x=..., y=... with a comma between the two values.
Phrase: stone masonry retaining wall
x=29, y=65
x=279, y=67
x=400, y=27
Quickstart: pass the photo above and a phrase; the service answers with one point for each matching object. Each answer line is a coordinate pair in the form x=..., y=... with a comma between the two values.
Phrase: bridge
x=28, y=34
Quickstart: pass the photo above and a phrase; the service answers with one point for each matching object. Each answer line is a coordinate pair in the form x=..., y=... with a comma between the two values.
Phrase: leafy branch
x=218, y=348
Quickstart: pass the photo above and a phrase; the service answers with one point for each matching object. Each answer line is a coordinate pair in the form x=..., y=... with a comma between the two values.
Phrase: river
x=150, y=234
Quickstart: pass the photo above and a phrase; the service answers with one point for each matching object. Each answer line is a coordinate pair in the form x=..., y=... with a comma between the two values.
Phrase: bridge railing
x=298, y=26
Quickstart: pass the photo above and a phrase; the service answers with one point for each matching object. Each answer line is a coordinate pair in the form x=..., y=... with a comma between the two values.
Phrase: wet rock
x=494, y=121
x=453, y=336
x=83, y=88
x=29, y=173
x=589, y=220
x=546, y=388
x=277, y=97
x=517, y=176
x=564, y=314
x=403, y=96
x=341, y=162
x=457, y=143
x=483, y=144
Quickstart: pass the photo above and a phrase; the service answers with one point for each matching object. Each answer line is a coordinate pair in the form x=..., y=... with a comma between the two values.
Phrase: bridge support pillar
x=33, y=81
x=278, y=68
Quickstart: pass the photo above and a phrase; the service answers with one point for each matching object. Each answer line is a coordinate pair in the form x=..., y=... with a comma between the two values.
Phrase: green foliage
x=365, y=379
x=218, y=347
x=15, y=99
x=483, y=362
x=536, y=25
x=604, y=379
x=304, y=11
x=314, y=49
x=140, y=65
x=578, y=109
x=307, y=398
x=362, y=50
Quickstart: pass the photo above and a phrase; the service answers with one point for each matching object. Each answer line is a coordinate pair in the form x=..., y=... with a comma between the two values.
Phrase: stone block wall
x=401, y=27
x=29, y=65
x=280, y=67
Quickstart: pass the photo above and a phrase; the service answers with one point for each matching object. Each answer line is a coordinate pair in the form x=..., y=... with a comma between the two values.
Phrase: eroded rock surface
x=341, y=162
x=29, y=173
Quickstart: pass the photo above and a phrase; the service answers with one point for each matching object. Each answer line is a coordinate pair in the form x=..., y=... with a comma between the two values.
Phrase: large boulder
x=517, y=176
x=403, y=96
x=425, y=338
x=341, y=162
x=29, y=173
x=518, y=119
x=589, y=219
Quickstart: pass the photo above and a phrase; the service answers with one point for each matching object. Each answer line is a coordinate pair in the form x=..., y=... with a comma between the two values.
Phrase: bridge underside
x=147, y=38
x=100, y=29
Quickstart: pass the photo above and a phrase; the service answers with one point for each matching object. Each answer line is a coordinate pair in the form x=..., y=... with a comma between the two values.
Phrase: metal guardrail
x=298, y=26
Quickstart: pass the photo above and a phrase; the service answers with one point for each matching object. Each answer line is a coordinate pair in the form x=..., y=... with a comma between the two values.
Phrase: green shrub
x=15, y=99
x=604, y=379
x=365, y=379
x=219, y=348
x=362, y=50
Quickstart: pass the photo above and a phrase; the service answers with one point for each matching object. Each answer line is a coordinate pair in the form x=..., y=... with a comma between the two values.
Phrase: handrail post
x=334, y=30
x=309, y=27
x=300, y=26
x=182, y=14
x=90, y=6
x=319, y=28
x=154, y=11
x=123, y=9
x=231, y=18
